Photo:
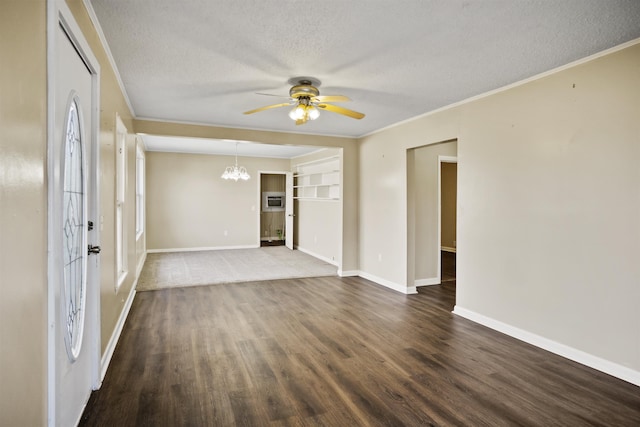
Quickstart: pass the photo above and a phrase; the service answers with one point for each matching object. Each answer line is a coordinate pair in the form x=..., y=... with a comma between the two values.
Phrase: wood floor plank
x=338, y=352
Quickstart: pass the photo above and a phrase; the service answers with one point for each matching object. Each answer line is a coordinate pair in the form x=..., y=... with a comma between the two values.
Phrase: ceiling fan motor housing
x=303, y=90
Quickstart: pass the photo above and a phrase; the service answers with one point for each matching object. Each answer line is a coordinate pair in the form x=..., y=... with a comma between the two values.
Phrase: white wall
x=318, y=223
x=189, y=206
x=548, y=209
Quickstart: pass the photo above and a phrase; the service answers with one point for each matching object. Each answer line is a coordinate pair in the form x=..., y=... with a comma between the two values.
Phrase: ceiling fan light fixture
x=298, y=112
x=313, y=112
x=307, y=102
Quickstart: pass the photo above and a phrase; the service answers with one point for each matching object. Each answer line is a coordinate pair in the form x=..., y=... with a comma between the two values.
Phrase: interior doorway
x=276, y=209
x=448, y=218
x=424, y=212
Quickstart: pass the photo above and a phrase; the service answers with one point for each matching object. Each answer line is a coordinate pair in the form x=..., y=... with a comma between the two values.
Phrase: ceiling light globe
x=297, y=113
x=313, y=112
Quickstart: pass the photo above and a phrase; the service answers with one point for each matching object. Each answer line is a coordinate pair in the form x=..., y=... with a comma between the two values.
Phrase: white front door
x=289, y=212
x=73, y=252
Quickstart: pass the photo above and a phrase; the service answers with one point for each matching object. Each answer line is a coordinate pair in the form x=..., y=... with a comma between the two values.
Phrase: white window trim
x=140, y=190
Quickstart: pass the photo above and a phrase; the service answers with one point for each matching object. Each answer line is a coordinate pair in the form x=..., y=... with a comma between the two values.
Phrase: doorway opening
x=274, y=227
x=448, y=219
x=424, y=214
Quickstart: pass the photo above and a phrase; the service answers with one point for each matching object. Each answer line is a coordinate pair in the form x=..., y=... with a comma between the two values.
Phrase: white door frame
x=289, y=211
x=59, y=14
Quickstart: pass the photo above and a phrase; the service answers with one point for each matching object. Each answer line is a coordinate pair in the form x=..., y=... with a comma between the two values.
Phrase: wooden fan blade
x=284, y=104
x=340, y=110
x=331, y=98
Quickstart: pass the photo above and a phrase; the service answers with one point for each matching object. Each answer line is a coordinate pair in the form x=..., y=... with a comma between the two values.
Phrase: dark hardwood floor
x=338, y=352
x=264, y=243
x=448, y=266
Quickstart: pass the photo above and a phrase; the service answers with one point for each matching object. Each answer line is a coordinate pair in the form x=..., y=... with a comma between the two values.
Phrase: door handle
x=93, y=249
x=291, y=214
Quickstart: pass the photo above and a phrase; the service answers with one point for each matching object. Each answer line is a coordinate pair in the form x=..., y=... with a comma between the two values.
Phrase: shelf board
x=320, y=199
x=315, y=185
x=315, y=173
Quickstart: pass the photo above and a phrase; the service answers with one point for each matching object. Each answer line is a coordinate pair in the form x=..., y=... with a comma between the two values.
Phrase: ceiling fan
x=305, y=97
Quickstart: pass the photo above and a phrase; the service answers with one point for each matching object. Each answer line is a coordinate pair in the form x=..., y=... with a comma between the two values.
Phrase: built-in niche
x=272, y=220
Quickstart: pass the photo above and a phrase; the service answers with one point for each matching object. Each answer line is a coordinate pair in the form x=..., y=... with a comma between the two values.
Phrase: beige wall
x=190, y=206
x=449, y=179
x=112, y=102
x=23, y=213
x=539, y=166
x=383, y=172
x=318, y=229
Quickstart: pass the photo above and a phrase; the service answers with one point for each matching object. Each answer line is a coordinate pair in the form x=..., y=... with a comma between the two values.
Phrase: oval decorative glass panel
x=74, y=233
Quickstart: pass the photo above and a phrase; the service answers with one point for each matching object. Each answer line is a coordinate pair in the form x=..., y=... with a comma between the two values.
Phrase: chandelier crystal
x=234, y=172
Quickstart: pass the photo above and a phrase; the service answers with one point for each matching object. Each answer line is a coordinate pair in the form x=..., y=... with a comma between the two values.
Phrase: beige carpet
x=177, y=269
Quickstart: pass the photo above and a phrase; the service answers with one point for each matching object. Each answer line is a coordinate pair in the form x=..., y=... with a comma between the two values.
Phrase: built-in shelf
x=317, y=180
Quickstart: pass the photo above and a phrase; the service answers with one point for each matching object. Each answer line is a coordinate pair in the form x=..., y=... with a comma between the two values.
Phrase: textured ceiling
x=203, y=61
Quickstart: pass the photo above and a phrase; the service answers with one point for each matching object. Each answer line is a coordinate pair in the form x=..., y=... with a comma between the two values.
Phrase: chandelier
x=234, y=172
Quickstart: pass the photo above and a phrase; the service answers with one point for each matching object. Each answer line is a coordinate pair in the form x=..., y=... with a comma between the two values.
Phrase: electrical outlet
x=226, y=233
x=379, y=257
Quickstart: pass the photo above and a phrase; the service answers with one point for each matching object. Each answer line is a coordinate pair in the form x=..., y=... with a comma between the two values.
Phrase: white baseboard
x=389, y=284
x=115, y=336
x=208, y=248
x=427, y=282
x=320, y=257
x=603, y=365
x=141, y=264
x=447, y=249
x=348, y=273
